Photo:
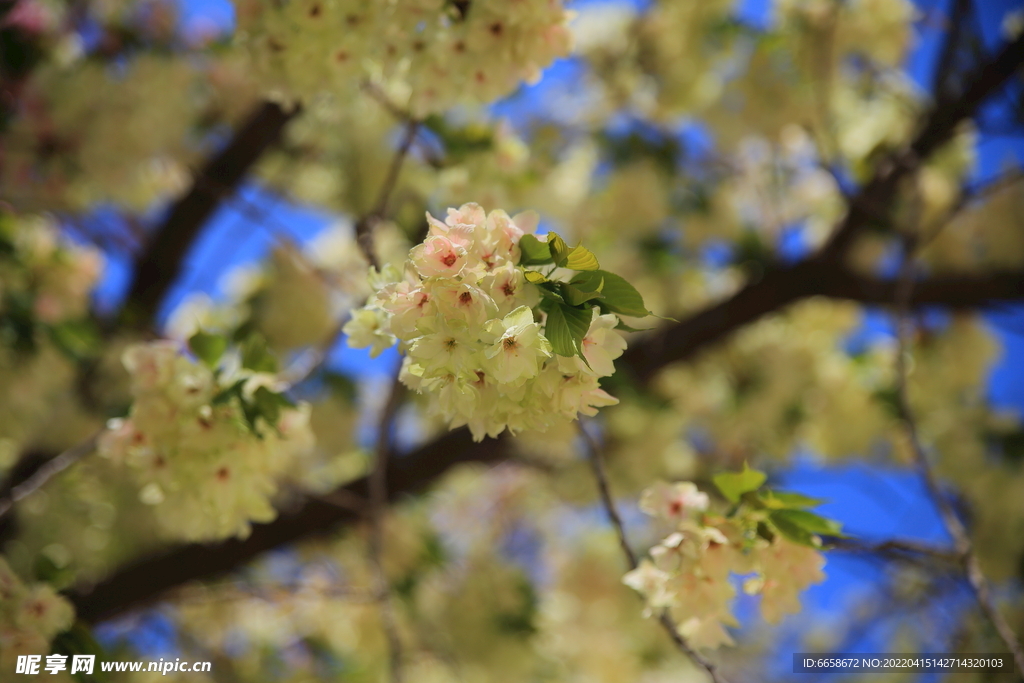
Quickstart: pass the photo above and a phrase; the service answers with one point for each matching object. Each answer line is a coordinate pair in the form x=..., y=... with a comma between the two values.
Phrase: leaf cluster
x=261, y=404
x=776, y=512
x=569, y=304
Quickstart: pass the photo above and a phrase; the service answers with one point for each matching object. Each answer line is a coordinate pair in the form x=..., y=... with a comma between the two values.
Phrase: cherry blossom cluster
x=474, y=336
x=49, y=276
x=45, y=283
x=690, y=571
x=437, y=53
x=202, y=460
x=30, y=616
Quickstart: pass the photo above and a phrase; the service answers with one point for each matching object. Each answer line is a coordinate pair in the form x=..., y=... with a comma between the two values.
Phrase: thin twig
x=961, y=539
x=47, y=471
x=238, y=590
x=378, y=502
x=381, y=97
x=364, y=226
x=903, y=549
x=613, y=515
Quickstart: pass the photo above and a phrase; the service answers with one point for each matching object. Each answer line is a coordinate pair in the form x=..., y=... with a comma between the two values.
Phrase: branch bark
x=161, y=262
x=146, y=579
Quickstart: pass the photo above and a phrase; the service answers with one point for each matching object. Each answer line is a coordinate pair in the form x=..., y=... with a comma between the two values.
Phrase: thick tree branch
x=161, y=262
x=938, y=128
x=414, y=472
x=145, y=580
x=782, y=287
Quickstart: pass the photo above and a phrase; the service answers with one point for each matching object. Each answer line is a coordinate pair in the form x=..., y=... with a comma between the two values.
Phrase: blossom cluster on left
x=206, y=440
x=30, y=616
x=45, y=282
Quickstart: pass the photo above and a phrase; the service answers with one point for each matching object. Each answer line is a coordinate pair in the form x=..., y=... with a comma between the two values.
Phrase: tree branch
x=782, y=287
x=938, y=127
x=620, y=531
x=956, y=529
x=161, y=262
x=364, y=227
x=146, y=579
x=378, y=484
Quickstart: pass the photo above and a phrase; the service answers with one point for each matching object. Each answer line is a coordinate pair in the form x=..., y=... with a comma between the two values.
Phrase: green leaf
x=581, y=258
x=268, y=405
x=256, y=356
x=735, y=484
x=208, y=347
x=810, y=522
x=565, y=329
x=794, y=532
x=780, y=500
x=46, y=570
x=533, y=252
x=559, y=249
x=78, y=640
x=626, y=328
x=342, y=386
x=587, y=282
x=548, y=291
x=77, y=339
x=225, y=395
x=574, y=296
x=619, y=296
x=533, y=277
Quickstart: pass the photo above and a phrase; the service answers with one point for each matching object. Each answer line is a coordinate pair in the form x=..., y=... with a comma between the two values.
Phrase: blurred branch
x=377, y=508
x=784, y=286
x=162, y=260
x=938, y=127
x=956, y=25
x=597, y=466
x=901, y=549
x=45, y=472
x=365, y=225
x=146, y=579
x=956, y=529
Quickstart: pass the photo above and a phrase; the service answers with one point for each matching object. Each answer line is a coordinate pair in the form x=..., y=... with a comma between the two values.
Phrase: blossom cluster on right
x=769, y=537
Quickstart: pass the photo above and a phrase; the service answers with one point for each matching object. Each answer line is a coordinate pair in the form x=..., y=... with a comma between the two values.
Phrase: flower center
x=449, y=259
x=510, y=343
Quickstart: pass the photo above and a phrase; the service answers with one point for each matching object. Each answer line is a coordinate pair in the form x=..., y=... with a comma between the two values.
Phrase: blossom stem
x=597, y=466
